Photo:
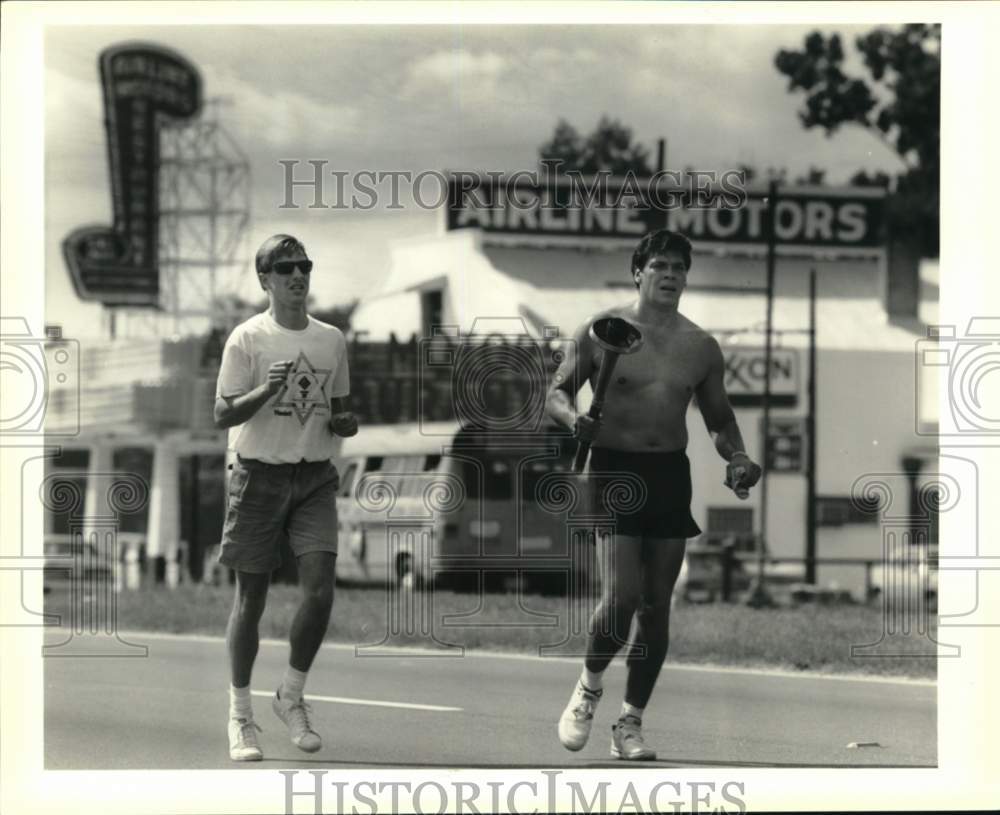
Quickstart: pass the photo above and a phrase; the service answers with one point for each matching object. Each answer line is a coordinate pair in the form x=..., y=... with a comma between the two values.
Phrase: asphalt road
x=168, y=711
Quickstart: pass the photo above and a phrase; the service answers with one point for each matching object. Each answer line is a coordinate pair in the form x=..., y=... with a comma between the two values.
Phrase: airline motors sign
x=834, y=217
x=146, y=87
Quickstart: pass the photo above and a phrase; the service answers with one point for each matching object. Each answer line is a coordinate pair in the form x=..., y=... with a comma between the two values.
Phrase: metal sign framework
x=205, y=188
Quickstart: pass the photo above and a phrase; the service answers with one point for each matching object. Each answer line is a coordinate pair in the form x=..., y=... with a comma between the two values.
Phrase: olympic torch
x=615, y=337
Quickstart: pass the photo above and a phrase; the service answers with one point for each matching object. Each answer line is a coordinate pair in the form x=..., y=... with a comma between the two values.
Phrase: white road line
x=403, y=652
x=346, y=700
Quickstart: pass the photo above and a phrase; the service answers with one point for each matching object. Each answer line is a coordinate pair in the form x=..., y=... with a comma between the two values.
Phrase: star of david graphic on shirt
x=303, y=390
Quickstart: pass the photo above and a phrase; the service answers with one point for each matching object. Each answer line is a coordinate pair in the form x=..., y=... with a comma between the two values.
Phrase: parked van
x=437, y=504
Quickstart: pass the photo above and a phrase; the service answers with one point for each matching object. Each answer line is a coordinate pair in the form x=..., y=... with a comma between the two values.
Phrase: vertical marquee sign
x=145, y=87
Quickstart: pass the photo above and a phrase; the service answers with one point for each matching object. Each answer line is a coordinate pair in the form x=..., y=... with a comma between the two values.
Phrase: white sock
x=632, y=710
x=591, y=680
x=239, y=703
x=293, y=684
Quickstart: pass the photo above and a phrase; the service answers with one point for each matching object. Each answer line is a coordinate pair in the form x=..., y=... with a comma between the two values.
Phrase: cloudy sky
x=431, y=98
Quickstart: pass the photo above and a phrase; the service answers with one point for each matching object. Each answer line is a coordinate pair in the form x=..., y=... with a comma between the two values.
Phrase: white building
x=870, y=312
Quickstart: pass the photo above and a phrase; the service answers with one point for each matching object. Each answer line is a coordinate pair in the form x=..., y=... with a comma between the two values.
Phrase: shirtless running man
x=643, y=431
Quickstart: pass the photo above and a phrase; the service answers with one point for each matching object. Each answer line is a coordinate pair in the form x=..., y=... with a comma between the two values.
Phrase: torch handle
x=608, y=362
x=581, y=456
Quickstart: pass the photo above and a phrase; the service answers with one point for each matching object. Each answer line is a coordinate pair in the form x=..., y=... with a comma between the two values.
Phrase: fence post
x=726, y=557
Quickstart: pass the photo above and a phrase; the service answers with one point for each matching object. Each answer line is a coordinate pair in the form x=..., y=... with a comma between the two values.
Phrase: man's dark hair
x=659, y=243
x=275, y=247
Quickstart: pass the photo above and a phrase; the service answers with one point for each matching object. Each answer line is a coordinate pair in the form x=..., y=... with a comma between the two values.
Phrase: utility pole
x=811, y=439
x=759, y=595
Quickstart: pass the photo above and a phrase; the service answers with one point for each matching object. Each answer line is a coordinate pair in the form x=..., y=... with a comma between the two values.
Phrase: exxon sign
x=745, y=378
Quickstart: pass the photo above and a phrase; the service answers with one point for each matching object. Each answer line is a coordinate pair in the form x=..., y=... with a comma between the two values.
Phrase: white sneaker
x=296, y=716
x=627, y=741
x=243, y=744
x=576, y=719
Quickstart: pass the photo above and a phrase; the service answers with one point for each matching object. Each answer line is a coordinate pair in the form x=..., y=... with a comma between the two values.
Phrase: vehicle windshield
x=493, y=474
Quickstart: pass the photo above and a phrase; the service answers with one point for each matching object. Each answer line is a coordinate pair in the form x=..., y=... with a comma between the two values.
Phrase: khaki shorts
x=264, y=500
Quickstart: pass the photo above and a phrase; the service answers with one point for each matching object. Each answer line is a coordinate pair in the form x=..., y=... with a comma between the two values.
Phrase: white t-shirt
x=294, y=423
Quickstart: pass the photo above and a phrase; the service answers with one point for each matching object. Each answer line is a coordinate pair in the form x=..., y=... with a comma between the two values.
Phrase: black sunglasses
x=286, y=267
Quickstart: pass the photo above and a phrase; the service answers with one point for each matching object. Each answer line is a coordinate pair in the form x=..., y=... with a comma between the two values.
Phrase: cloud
x=443, y=97
x=74, y=118
x=445, y=65
x=460, y=68
x=282, y=121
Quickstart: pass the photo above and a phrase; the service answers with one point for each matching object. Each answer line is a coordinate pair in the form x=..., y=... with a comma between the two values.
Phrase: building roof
x=842, y=324
x=563, y=286
x=557, y=269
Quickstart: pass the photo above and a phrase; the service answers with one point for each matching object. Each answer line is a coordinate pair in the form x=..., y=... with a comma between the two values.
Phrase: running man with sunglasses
x=282, y=393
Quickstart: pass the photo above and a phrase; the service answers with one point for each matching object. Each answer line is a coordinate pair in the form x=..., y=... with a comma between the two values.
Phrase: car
x=907, y=571
x=440, y=505
x=701, y=576
x=66, y=560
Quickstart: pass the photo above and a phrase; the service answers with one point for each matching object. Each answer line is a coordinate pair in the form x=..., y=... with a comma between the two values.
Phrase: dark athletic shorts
x=663, y=511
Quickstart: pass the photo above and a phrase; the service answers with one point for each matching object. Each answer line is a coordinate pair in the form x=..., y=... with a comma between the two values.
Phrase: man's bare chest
x=672, y=367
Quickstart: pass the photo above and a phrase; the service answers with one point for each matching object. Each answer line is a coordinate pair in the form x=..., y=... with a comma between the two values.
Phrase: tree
x=339, y=315
x=862, y=179
x=899, y=102
x=813, y=177
x=566, y=146
x=608, y=148
x=231, y=309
